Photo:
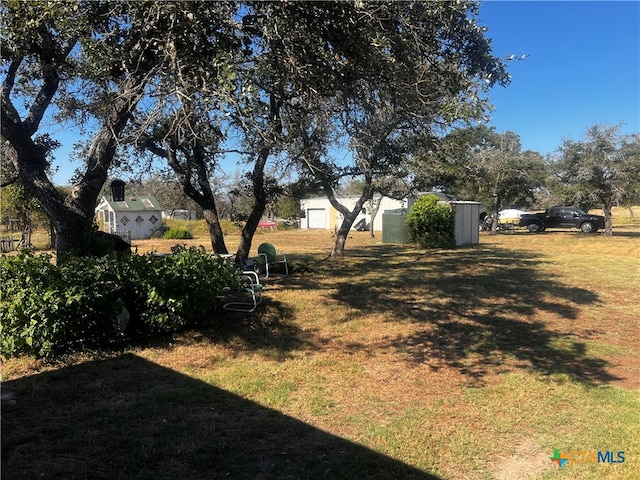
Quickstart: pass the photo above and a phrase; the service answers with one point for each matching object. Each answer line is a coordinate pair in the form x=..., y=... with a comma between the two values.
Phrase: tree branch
x=50, y=81
x=8, y=110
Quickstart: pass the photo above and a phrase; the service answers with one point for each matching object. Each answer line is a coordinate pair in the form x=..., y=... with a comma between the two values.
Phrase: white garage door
x=316, y=218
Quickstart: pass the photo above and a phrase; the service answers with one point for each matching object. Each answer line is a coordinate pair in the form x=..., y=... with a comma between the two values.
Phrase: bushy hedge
x=47, y=309
x=431, y=224
x=178, y=234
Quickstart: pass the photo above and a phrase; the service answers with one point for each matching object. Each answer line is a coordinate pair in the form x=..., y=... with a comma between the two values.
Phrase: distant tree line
x=600, y=171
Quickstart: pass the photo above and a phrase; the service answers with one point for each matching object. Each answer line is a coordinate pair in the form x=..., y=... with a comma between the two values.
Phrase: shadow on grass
x=626, y=233
x=270, y=328
x=477, y=309
x=128, y=418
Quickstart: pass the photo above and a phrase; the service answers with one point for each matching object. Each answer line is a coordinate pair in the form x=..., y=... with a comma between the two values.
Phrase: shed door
x=316, y=218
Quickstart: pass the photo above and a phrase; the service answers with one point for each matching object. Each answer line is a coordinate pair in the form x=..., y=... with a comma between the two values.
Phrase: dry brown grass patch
x=438, y=359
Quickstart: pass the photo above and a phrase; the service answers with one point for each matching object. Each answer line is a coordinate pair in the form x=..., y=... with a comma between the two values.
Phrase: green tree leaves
x=600, y=171
x=431, y=224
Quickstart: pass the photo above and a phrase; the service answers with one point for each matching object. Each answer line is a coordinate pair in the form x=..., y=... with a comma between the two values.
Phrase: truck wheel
x=534, y=227
x=588, y=227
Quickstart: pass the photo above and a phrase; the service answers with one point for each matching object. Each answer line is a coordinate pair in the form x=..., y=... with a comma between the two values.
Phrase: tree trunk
x=208, y=205
x=608, y=220
x=373, y=215
x=195, y=161
x=30, y=164
x=206, y=201
x=496, y=216
x=215, y=231
x=259, y=205
x=341, y=238
x=70, y=233
x=52, y=235
x=72, y=218
x=257, y=177
x=349, y=216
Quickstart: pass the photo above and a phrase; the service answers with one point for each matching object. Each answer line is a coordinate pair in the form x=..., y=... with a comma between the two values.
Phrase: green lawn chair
x=268, y=256
x=250, y=287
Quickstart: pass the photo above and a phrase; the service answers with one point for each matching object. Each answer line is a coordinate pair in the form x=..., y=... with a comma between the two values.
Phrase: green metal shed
x=394, y=227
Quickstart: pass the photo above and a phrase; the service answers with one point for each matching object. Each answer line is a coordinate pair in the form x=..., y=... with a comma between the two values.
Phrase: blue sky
x=582, y=68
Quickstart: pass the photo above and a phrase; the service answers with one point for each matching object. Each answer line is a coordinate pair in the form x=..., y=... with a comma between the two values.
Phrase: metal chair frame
x=249, y=283
x=268, y=255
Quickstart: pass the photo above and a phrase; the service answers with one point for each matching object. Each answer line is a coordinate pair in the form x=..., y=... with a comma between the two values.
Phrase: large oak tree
x=84, y=60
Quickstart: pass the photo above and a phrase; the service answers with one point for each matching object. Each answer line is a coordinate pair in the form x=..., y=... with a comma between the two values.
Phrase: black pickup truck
x=562, y=217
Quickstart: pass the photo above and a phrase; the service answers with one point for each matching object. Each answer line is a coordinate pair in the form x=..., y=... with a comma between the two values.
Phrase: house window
x=153, y=219
x=139, y=220
x=124, y=220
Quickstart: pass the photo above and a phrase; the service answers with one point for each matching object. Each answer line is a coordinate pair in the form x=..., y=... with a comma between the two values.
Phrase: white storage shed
x=467, y=222
x=136, y=217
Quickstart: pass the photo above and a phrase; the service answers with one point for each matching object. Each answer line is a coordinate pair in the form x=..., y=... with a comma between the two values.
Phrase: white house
x=136, y=217
x=318, y=212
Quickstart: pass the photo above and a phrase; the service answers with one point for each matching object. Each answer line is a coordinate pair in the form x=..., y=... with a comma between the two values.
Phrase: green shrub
x=179, y=290
x=159, y=233
x=178, y=234
x=286, y=225
x=431, y=224
x=48, y=309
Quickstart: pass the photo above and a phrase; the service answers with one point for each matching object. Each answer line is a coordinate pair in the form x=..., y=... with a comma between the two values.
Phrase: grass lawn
x=392, y=362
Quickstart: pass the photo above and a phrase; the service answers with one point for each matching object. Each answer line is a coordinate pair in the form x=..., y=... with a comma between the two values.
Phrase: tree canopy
x=481, y=164
x=88, y=61
x=424, y=67
x=602, y=170
x=275, y=81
